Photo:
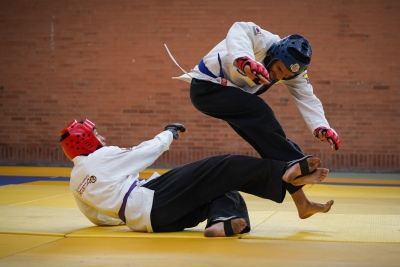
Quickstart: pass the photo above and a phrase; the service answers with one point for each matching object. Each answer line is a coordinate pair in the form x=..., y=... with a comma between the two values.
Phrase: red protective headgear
x=77, y=138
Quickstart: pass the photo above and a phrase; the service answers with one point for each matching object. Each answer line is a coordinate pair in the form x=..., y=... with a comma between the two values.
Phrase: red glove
x=329, y=134
x=255, y=67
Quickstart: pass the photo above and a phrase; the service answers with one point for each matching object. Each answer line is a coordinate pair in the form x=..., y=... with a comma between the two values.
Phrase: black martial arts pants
x=207, y=190
x=250, y=116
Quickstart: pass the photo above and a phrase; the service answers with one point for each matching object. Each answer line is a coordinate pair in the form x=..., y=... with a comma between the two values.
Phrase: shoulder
x=105, y=152
x=107, y=149
x=256, y=30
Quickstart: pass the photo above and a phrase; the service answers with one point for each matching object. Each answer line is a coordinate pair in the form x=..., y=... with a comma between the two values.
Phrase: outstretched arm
x=149, y=151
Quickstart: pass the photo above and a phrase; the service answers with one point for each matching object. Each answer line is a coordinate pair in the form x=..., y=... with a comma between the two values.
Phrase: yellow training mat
x=40, y=225
x=330, y=227
x=360, y=214
x=47, y=221
x=256, y=218
x=11, y=244
x=371, y=192
x=40, y=208
x=123, y=231
x=38, y=193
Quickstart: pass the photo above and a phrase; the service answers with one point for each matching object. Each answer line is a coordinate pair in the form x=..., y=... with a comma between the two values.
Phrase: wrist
x=242, y=62
x=174, y=132
x=320, y=129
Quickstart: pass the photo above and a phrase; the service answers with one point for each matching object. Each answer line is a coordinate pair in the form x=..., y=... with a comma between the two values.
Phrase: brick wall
x=104, y=60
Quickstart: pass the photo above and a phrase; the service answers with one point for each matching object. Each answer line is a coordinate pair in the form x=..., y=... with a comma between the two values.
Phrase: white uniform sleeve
x=248, y=39
x=308, y=104
x=95, y=216
x=143, y=155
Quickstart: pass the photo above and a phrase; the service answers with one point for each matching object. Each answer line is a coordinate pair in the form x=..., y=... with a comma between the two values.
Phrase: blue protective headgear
x=294, y=51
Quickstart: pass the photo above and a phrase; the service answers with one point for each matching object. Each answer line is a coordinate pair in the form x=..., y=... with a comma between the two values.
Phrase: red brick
x=107, y=62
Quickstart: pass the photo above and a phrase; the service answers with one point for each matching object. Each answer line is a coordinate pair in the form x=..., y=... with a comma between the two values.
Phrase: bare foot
x=307, y=208
x=294, y=171
x=217, y=230
x=313, y=208
x=318, y=176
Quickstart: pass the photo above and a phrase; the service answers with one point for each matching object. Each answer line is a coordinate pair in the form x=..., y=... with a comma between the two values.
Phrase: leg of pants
x=250, y=116
x=226, y=207
x=183, y=190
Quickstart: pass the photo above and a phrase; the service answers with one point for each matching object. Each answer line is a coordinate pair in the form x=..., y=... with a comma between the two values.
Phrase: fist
x=175, y=129
x=328, y=135
x=257, y=69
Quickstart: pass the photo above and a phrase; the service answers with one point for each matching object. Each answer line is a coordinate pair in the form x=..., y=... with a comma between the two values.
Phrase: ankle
x=291, y=173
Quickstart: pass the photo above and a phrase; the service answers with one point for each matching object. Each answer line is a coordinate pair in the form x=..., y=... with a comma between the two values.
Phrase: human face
x=101, y=139
x=278, y=71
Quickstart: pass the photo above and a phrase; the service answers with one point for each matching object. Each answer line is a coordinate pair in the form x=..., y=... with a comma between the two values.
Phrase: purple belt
x=121, y=212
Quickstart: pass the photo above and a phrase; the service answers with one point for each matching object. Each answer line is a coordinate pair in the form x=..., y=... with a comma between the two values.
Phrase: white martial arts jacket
x=248, y=39
x=100, y=181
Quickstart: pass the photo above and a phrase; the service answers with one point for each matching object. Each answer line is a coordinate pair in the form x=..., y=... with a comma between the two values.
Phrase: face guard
x=294, y=51
x=77, y=138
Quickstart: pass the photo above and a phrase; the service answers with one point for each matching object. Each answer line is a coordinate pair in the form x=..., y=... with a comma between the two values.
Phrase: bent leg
x=289, y=148
x=250, y=116
x=184, y=189
x=252, y=119
x=189, y=220
x=230, y=208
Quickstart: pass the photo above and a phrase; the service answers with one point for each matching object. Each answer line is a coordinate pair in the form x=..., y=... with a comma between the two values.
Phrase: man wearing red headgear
x=106, y=186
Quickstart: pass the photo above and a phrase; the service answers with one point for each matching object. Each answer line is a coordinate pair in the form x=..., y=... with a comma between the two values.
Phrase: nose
x=279, y=75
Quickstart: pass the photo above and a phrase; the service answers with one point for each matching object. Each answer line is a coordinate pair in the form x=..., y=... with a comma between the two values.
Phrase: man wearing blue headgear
x=227, y=81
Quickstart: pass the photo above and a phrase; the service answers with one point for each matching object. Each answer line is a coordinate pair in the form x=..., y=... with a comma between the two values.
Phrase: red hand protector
x=329, y=134
x=255, y=67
